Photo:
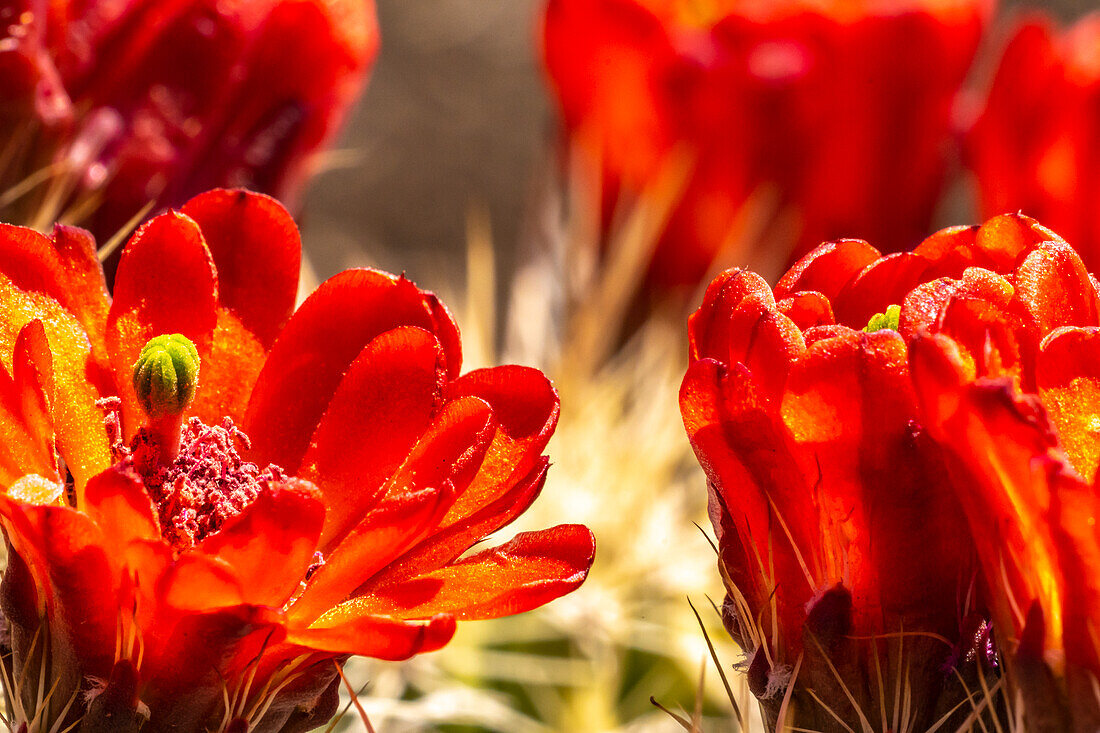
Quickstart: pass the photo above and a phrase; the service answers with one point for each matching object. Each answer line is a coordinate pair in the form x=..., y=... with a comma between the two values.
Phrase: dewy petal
x=1067, y=374
x=382, y=406
x=271, y=543
x=78, y=422
x=526, y=408
x=27, y=443
x=1054, y=287
x=525, y=573
x=381, y=637
x=319, y=343
x=828, y=268
x=165, y=284
x=257, y=253
x=750, y=460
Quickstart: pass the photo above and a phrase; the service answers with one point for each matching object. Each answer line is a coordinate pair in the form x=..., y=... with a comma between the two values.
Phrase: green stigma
x=888, y=320
x=166, y=374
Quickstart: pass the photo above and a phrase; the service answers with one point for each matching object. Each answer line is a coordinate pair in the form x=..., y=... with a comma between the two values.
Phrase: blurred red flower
x=810, y=104
x=845, y=446
x=1033, y=144
x=207, y=592
x=128, y=103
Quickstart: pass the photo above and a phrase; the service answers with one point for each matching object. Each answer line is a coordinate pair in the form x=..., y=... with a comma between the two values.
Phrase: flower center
x=207, y=483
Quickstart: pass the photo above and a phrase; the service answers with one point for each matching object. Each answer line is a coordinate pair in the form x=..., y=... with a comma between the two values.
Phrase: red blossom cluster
x=901, y=449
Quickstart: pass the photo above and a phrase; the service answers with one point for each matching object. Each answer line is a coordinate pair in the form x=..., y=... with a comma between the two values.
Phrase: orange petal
x=257, y=253
x=1067, y=373
x=451, y=450
x=878, y=484
x=1054, y=287
x=807, y=309
x=27, y=444
x=198, y=582
x=78, y=422
x=380, y=637
x=271, y=543
x=165, y=284
x=228, y=372
x=313, y=352
x=532, y=569
x=383, y=405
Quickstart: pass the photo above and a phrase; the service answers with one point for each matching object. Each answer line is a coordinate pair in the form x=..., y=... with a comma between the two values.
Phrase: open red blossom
x=807, y=106
x=130, y=103
x=1033, y=144
x=844, y=457
x=333, y=471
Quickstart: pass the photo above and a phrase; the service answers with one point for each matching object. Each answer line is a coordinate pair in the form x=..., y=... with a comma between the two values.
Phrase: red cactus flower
x=1032, y=144
x=126, y=104
x=332, y=469
x=809, y=102
x=1008, y=384
x=849, y=421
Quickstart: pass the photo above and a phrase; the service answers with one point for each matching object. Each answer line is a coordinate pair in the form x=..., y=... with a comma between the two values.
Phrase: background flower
x=797, y=118
x=1032, y=144
x=110, y=108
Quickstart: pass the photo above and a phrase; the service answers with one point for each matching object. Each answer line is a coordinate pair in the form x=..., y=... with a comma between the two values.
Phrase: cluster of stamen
x=207, y=483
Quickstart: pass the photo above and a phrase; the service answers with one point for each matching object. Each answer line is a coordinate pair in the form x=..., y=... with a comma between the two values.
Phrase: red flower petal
x=526, y=408
x=257, y=252
x=740, y=323
x=117, y=501
x=850, y=405
x=532, y=569
x=996, y=437
x=452, y=448
x=271, y=543
x=315, y=349
x=64, y=551
x=384, y=403
x=881, y=284
x=827, y=268
x=807, y=309
x=444, y=546
x=165, y=284
x=387, y=531
x=380, y=637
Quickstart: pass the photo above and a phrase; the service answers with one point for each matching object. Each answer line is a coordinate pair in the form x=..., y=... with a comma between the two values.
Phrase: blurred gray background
x=456, y=114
